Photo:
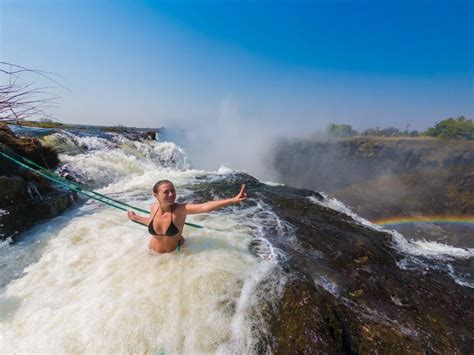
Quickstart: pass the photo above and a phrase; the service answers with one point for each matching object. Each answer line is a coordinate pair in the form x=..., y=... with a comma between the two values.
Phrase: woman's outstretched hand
x=242, y=195
x=131, y=215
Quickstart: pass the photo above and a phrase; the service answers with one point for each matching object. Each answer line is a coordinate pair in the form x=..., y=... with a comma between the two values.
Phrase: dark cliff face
x=332, y=165
x=382, y=178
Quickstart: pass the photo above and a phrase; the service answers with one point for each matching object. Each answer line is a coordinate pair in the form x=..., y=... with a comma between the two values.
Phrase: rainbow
x=469, y=219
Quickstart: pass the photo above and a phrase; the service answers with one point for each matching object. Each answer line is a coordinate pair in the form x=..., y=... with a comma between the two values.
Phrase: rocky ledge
x=26, y=198
x=351, y=291
x=344, y=288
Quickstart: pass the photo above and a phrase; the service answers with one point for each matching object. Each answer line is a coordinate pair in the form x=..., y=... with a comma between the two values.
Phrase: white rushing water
x=86, y=281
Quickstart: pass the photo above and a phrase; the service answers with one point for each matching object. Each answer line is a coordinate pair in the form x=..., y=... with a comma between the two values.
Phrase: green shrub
x=453, y=128
x=341, y=130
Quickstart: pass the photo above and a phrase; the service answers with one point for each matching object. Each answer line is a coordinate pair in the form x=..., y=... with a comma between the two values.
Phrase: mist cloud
x=232, y=138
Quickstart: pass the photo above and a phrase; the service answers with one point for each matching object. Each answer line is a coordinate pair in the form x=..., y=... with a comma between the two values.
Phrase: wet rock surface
x=347, y=291
x=379, y=306
x=26, y=198
x=29, y=147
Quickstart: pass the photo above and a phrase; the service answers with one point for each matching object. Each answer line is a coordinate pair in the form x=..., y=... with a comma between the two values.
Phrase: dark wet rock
x=13, y=188
x=28, y=147
x=150, y=135
x=135, y=135
x=26, y=198
x=305, y=321
x=21, y=215
x=381, y=308
x=346, y=290
x=68, y=173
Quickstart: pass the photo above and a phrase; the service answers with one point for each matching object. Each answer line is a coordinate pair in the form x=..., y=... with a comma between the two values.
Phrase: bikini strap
x=152, y=218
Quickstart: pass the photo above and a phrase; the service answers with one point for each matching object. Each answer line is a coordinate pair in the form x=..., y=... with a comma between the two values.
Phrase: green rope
x=85, y=188
x=60, y=182
x=68, y=184
x=78, y=185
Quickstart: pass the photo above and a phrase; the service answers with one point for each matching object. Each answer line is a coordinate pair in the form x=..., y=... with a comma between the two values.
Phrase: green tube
x=70, y=185
x=79, y=186
x=60, y=182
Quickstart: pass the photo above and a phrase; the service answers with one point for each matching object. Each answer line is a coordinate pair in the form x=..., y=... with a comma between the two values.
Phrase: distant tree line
x=450, y=128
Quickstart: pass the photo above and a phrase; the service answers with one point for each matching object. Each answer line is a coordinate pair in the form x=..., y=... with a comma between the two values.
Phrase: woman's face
x=166, y=194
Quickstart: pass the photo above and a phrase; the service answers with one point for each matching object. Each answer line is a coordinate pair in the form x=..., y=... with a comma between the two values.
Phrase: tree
x=453, y=128
x=371, y=132
x=341, y=130
x=389, y=132
x=413, y=133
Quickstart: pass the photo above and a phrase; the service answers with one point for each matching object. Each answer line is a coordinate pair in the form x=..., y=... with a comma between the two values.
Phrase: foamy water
x=97, y=283
x=87, y=282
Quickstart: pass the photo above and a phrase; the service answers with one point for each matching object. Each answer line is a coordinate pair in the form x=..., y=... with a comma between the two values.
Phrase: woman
x=167, y=218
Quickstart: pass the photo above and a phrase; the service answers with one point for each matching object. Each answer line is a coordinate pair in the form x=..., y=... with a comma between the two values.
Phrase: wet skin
x=166, y=211
x=162, y=243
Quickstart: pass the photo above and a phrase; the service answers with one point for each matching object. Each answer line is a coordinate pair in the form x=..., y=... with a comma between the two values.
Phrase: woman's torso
x=160, y=223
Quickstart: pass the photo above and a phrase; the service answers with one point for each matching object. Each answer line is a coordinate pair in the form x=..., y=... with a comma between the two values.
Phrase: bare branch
x=44, y=74
x=19, y=101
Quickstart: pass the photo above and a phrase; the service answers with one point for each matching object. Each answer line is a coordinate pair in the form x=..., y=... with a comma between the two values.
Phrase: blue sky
x=285, y=65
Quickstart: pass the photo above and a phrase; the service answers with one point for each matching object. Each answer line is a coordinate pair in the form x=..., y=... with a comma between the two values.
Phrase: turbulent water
x=86, y=281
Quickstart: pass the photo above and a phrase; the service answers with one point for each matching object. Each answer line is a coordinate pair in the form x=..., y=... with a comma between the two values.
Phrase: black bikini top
x=170, y=232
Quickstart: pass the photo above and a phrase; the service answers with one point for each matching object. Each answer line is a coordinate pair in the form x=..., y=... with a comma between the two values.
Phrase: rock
x=12, y=189
x=346, y=290
x=21, y=215
x=362, y=260
x=363, y=266
x=303, y=322
x=27, y=147
x=139, y=136
x=150, y=135
x=356, y=293
x=25, y=197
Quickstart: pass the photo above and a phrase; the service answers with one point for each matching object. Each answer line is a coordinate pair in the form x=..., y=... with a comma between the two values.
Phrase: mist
x=234, y=139
x=382, y=177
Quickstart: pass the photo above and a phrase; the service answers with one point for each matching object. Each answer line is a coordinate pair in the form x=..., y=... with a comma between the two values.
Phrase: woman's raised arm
x=194, y=208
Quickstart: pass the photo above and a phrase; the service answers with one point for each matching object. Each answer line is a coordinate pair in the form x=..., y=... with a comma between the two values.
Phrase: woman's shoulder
x=179, y=207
